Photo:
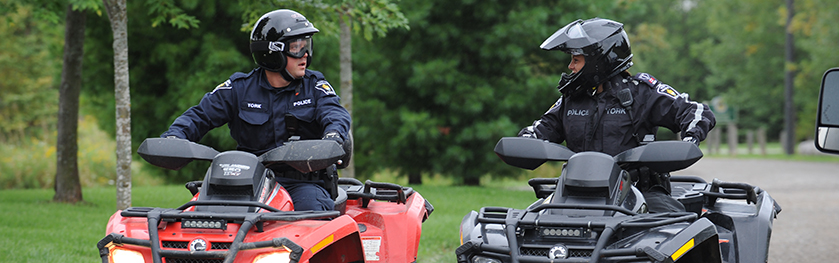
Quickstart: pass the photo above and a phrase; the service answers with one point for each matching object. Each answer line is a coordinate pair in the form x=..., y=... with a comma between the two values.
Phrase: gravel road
x=807, y=229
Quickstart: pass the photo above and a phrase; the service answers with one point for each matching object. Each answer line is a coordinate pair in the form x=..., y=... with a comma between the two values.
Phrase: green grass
x=34, y=229
x=440, y=233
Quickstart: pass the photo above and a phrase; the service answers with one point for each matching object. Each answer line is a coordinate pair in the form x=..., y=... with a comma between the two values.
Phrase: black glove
x=528, y=132
x=335, y=136
x=691, y=139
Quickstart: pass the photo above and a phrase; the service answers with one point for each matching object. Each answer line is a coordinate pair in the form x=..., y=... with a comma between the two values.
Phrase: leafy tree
x=171, y=67
x=29, y=73
x=663, y=35
x=448, y=89
x=67, y=184
x=367, y=17
x=178, y=66
x=746, y=59
x=815, y=35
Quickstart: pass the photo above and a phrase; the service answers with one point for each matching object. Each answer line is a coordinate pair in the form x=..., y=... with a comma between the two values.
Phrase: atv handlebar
x=227, y=203
x=584, y=207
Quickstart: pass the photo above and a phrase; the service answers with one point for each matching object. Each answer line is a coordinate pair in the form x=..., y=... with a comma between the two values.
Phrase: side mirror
x=827, y=120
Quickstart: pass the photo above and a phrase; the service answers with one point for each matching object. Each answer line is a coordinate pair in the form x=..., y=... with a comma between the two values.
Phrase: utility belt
x=645, y=179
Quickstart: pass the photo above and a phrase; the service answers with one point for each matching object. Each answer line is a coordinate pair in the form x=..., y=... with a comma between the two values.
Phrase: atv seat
x=341, y=201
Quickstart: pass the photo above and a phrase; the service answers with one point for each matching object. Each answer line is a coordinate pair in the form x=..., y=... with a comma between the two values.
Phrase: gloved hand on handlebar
x=335, y=136
x=691, y=139
x=529, y=132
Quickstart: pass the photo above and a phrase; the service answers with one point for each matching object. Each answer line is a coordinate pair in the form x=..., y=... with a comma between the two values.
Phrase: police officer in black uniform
x=280, y=99
x=606, y=109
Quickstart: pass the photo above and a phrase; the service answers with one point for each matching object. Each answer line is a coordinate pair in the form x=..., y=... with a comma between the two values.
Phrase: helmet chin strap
x=287, y=76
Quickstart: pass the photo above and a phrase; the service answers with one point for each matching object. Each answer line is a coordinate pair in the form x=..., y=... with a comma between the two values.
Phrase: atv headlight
x=482, y=259
x=120, y=255
x=273, y=257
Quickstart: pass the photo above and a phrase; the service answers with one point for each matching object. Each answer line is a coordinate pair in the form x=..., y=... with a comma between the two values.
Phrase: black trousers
x=659, y=201
x=307, y=195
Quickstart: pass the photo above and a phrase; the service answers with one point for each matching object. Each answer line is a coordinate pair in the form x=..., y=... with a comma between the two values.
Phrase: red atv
x=239, y=213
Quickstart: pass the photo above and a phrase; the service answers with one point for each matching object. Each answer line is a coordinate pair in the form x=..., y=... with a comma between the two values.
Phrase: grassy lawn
x=34, y=229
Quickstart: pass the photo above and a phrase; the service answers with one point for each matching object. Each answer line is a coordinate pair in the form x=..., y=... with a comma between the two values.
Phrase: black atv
x=594, y=213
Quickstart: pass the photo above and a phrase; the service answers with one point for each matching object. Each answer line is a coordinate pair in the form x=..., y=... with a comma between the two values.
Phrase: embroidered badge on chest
x=324, y=86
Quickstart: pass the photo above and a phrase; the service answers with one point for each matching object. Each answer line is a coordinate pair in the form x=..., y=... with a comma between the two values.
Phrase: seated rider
x=606, y=109
x=282, y=96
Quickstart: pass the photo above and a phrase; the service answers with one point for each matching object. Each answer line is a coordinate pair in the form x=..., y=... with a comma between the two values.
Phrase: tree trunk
x=68, y=187
x=346, y=80
x=472, y=180
x=789, y=78
x=414, y=178
x=119, y=26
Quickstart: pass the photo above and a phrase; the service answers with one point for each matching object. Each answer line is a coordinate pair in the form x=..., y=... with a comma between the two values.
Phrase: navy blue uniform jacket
x=600, y=123
x=255, y=111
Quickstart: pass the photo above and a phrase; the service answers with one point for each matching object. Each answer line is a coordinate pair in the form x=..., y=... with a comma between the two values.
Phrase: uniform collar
x=263, y=81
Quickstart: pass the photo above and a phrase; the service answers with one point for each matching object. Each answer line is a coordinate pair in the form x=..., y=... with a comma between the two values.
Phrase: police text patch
x=302, y=102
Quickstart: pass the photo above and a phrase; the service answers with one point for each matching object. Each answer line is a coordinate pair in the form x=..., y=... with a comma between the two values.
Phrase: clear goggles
x=295, y=47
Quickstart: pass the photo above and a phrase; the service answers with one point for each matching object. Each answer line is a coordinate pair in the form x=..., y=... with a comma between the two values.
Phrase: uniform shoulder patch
x=324, y=86
x=667, y=90
x=224, y=85
x=556, y=105
x=647, y=79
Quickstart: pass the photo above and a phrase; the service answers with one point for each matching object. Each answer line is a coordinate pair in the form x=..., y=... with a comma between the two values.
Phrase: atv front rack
x=158, y=216
x=514, y=222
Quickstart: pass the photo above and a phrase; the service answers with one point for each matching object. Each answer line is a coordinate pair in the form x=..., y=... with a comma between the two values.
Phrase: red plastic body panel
x=390, y=232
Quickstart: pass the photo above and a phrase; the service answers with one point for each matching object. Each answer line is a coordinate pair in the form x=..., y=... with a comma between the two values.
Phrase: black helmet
x=280, y=33
x=605, y=46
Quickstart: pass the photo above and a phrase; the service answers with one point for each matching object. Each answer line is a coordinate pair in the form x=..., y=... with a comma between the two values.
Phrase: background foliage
x=432, y=98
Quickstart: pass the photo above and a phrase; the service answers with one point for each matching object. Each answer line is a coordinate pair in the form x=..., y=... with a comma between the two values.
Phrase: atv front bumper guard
x=514, y=221
x=156, y=216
